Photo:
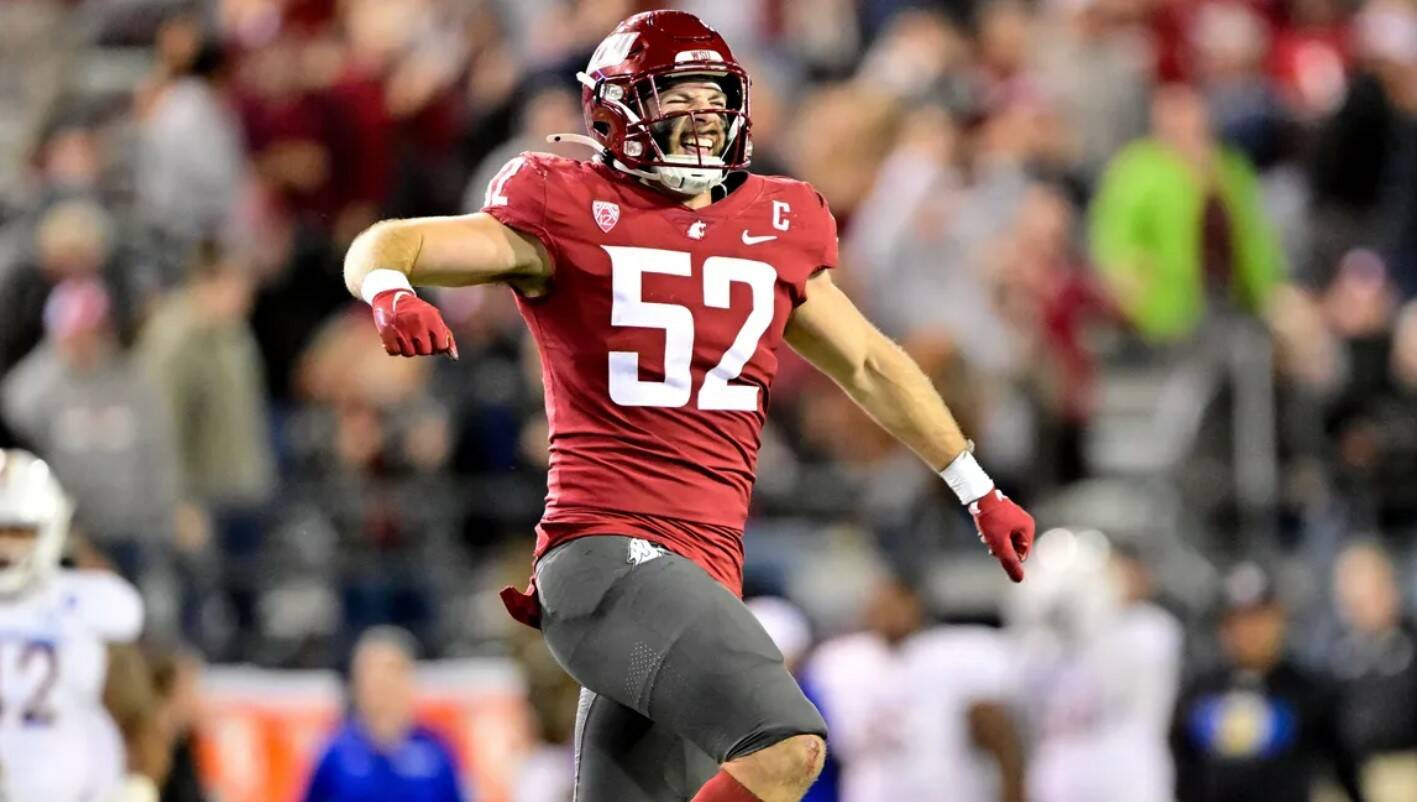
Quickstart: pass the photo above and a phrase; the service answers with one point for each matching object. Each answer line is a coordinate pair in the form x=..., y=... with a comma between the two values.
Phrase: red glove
x=1005, y=528
x=410, y=326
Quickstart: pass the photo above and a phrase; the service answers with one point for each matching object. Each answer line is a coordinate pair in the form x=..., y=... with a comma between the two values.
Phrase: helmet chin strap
x=688, y=181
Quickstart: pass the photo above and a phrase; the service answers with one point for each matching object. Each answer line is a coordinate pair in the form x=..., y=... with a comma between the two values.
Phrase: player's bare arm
x=993, y=731
x=832, y=334
x=132, y=700
x=389, y=258
x=446, y=252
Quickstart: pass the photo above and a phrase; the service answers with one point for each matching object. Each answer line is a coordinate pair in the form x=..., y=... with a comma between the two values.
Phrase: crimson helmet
x=640, y=58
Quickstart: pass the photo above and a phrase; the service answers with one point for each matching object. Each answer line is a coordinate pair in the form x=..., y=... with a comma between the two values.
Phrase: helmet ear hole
x=601, y=127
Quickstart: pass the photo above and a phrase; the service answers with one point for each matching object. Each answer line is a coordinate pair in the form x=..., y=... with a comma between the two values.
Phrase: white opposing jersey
x=57, y=741
x=899, y=716
x=1101, y=709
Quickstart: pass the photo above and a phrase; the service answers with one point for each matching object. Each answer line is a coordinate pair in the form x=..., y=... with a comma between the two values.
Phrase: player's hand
x=1005, y=528
x=410, y=326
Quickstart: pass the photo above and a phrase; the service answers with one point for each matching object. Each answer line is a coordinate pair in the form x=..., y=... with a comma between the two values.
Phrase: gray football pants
x=677, y=675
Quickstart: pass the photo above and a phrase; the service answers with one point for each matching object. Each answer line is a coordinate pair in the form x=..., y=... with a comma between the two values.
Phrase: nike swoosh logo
x=750, y=240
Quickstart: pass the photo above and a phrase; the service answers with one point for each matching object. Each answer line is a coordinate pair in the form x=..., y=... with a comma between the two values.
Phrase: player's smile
x=701, y=134
x=705, y=143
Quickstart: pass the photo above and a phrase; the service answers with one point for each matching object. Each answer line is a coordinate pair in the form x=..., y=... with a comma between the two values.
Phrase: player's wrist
x=383, y=280
x=966, y=478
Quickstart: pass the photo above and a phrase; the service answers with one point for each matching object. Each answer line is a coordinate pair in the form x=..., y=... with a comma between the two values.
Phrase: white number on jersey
x=719, y=274
x=499, y=182
x=627, y=268
x=34, y=666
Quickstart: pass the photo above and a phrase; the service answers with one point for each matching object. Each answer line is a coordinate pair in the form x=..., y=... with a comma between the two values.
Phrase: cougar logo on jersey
x=642, y=551
x=696, y=231
x=607, y=214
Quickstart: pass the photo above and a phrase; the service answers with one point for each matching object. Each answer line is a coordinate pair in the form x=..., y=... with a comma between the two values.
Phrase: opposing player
x=57, y=741
x=659, y=281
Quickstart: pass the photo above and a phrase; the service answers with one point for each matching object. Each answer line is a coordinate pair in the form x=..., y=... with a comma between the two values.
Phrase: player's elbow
x=386, y=244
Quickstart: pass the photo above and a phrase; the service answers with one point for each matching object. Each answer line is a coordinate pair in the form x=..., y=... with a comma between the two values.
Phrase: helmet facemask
x=689, y=143
x=34, y=522
x=658, y=131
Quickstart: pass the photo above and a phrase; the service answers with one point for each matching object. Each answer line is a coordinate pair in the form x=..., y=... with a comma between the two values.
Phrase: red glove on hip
x=410, y=326
x=1005, y=528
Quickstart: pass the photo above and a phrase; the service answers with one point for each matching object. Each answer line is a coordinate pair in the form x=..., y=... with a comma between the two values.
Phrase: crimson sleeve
x=516, y=196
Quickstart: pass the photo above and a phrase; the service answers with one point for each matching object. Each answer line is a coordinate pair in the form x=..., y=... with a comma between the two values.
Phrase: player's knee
x=791, y=763
x=816, y=755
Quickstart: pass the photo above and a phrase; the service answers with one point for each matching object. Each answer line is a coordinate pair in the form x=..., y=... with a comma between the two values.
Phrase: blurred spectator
x=289, y=126
x=369, y=451
x=919, y=58
x=1095, y=70
x=381, y=752
x=838, y=140
x=201, y=352
x=1257, y=728
x=912, y=707
x=1368, y=420
x=1099, y=667
x=1361, y=170
x=1310, y=57
x=190, y=160
x=553, y=109
x=199, y=348
x=1177, y=221
x=1046, y=295
x=100, y=423
x=1228, y=43
x=1375, y=662
x=72, y=164
x=73, y=239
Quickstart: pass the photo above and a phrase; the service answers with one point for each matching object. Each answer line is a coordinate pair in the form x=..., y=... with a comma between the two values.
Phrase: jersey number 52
x=628, y=267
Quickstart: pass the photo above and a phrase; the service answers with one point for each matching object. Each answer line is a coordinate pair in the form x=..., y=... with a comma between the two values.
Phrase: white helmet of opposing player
x=31, y=502
x=1071, y=593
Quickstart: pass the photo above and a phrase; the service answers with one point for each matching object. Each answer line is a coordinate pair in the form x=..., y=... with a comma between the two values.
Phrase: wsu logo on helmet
x=607, y=214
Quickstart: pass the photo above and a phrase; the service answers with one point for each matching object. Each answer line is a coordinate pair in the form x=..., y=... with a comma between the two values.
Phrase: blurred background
x=1160, y=257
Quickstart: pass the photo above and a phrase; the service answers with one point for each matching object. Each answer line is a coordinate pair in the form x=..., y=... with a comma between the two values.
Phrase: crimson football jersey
x=658, y=338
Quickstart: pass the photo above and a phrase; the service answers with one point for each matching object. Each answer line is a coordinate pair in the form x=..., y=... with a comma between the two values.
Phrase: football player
x=659, y=280
x=57, y=740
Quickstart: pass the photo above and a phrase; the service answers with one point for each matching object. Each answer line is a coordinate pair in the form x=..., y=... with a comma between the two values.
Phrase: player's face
x=699, y=135
x=16, y=543
x=1255, y=638
x=383, y=690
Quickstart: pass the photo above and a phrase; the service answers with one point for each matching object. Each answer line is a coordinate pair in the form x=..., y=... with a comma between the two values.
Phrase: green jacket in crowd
x=1146, y=237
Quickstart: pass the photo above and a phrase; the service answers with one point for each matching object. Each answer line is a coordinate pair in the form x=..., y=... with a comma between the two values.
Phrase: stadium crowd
x=1159, y=255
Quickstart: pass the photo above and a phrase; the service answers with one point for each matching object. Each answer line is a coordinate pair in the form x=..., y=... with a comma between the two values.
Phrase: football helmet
x=620, y=97
x=31, y=498
x=1072, y=594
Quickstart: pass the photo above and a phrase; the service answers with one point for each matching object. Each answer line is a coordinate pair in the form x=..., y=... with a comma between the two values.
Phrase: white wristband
x=381, y=281
x=966, y=478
